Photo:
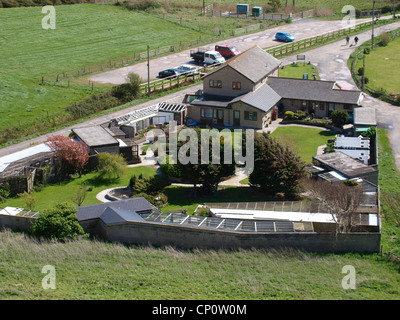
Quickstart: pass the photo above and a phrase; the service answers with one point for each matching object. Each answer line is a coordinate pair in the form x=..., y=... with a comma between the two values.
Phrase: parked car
x=227, y=50
x=186, y=69
x=207, y=57
x=173, y=72
x=284, y=36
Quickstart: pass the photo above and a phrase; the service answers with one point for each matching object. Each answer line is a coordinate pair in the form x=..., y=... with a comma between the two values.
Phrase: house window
x=347, y=107
x=208, y=113
x=249, y=115
x=236, y=85
x=304, y=104
x=215, y=83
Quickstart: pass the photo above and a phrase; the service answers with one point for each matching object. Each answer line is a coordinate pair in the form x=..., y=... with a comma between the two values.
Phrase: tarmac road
x=300, y=29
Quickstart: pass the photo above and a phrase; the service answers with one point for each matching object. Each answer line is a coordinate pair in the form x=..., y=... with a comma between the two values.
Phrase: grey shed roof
x=314, y=90
x=365, y=116
x=344, y=164
x=122, y=207
x=117, y=215
x=254, y=63
x=95, y=136
x=264, y=98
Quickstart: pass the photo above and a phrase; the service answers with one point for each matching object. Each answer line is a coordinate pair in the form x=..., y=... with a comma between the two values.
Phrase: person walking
x=347, y=40
x=355, y=40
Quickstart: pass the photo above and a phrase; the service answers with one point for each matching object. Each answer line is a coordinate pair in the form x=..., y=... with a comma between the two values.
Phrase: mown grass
x=303, y=141
x=297, y=71
x=381, y=67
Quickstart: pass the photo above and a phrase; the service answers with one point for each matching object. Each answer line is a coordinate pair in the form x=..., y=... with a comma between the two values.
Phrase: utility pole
x=148, y=71
x=373, y=23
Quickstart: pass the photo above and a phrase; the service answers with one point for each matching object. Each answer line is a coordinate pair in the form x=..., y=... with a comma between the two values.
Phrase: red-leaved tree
x=74, y=153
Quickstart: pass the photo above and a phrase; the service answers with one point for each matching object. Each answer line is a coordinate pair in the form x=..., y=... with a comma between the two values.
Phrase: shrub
x=148, y=197
x=385, y=38
x=360, y=71
x=289, y=115
x=300, y=115
x=4, y=194
x=203, y=212
x=58, y=223
x=339, y=118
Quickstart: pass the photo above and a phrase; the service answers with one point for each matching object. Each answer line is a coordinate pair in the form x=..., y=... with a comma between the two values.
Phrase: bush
x=300, y=115
x=385, y=38
x=360, y=71
x=58, y=223
x=289, y=115
x=203, y=212
x=151, y=186
x=339, y=118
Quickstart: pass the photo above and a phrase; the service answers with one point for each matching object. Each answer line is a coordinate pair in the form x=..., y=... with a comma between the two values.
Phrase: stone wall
x=190, y=237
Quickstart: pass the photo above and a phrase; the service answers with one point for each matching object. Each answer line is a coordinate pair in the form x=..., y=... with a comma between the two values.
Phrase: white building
x=355, y=147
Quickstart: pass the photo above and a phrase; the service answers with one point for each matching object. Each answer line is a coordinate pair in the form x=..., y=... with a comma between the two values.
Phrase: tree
x=277, y=169
x=110, y=165
x=128, y=91
x=71, y=152
x=275, y=4
x=58, y=223
x=210, y=174
x=80, y=195
x=341, y=199
x=339, y=118
x=30, y=200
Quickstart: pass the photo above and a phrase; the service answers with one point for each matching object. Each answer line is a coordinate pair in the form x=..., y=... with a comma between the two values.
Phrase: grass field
x=95, y=270
x=381, y=67
x=85, y=35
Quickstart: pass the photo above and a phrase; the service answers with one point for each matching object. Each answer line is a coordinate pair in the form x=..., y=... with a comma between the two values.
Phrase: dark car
x=168, y=73
x=284, y=36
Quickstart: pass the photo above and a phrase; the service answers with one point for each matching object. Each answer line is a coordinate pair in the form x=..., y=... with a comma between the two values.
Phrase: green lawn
x=381, y=67
x=53, y=194
x=304, y=141
x=297, y=70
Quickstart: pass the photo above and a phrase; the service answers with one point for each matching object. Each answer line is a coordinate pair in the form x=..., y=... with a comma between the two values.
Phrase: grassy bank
x=96, y=270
